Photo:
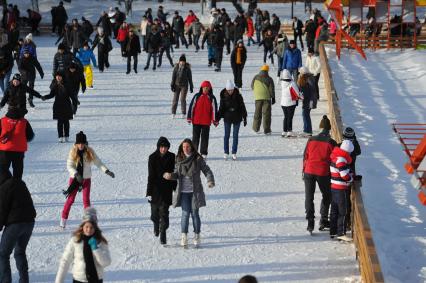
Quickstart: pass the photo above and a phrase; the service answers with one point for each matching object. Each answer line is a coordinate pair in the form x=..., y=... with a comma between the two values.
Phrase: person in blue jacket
x=292, y=60
x=85, y=55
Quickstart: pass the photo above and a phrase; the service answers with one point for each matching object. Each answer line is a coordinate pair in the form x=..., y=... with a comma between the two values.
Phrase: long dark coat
x=62, y=107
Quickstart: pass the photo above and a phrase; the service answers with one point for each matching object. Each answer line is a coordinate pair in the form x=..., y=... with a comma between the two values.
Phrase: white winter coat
x=87, y=166
x=313, y=64
x=285, y=93
x=73, y=254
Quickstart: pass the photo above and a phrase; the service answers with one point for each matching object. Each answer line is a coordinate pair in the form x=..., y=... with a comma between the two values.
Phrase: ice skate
x=63, y=223
x=197, y=240
x=225, y=156
x=234, y=157
x=184, y=240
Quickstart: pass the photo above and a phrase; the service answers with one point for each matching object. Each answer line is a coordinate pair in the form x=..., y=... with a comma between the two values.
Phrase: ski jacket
x=289, y=93
x=250, y=28
x=341, y=175
x=31, y=47
x=232, y=108
x=74, y=255
x=87, y=165
x=122, y=33
x=316, y=157
x=16, y=204
x=292, y=59
x=203, y=109
x=313, y=64
x=263, y=86
x=85, y=56
x=190, y=19
x=21, y=133
x=61, y=61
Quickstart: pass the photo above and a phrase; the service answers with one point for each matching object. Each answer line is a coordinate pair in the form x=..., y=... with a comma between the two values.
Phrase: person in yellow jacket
x=264, y=95
x=85, y=55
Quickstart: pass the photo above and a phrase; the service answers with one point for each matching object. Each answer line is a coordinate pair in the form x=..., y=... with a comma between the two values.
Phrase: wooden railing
x=363, y=239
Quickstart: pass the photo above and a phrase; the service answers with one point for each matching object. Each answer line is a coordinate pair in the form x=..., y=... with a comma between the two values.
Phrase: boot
x=184, y=240
x=156, y=229
x=30, y=102
x=163, y=238
x=324, y=225
x=63, y=223
x=197, y=240
x=311, y=224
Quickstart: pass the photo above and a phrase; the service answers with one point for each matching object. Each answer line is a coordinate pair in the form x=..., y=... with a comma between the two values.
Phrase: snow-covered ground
x=254, y=221
x=388, y=88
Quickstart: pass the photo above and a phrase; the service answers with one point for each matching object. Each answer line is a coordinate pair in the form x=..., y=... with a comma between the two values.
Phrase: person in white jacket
x=79, y=163
x=87, y=251
x=290, y=94
x=313, y=64
x=144, y=24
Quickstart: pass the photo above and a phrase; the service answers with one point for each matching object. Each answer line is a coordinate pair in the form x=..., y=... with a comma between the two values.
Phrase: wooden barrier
x=366, y=255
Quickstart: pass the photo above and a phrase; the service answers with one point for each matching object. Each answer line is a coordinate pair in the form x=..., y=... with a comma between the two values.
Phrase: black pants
x=160, y=57
x=180, y=35
x=190, y=37
x=316, y=84
x=135, y=62
x=298, y=35
x=16, y=159
x=324, y=185
x=228, y=45
x=265, y=55
x=160, y=216
x=338, y=212
x=310, y=42
x=218, y=57
x=30, y=84
x=103, y=60
x=63, y=128
x=238, y=75
x=203, y=131
x=288, y=118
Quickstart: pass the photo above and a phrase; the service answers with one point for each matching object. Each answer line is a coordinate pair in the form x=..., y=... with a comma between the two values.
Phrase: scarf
x=91, y=273
x=238, y=55
x=186, y=166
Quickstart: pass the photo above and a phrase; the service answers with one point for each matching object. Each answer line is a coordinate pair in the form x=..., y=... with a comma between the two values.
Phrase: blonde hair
x=89, y=154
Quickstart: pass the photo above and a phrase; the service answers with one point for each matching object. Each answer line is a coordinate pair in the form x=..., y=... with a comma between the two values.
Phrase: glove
x=173, y=88
x=245, y=122
x=79, y=178
x=273, y=100
x=43, y=98
x=167, y=176
x=93, y=243
x=210, y=184
x=109, y=173
x=191, y=90
x=83, y=89
x=149, y=198
x=41, y=75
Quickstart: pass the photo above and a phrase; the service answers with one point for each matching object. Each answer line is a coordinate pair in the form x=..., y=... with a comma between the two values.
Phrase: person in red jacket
x=341, y=179
x=190, y=18
x=316, y=169
x=250, y=30
x=15, y=133
x=202, y=112
x=123, y=32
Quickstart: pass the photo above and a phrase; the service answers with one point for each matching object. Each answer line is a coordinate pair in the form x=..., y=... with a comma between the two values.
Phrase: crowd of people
x=173, y=180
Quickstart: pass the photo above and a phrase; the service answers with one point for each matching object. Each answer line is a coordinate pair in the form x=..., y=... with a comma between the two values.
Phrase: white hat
x=90, y=215
x=285, y=75
x=29, y=37
x=229, y=85
x=303, y=70
x=347, y=146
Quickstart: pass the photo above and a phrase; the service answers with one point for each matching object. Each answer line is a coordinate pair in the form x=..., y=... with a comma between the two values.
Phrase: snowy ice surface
x=389, y=87
x=254, y=221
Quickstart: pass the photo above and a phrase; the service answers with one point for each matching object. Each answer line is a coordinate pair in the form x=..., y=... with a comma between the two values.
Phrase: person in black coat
x=166, y=44
x=27, y=67
x=153, y=44
x=297, y=31
x=62, y=106
x=159, y=190
x=268, y=46
x=104, y=23
x=132, y=49
x=218, y=42
x=86, y=27
x=233, y=110
x=61, y=16
x=74, y=78
x=238, y=60
x=104, y=47
x=15, y=94
x=62, y=59
x=17, y=216
x=6, y=66
x=310, y=29
x=178, y=26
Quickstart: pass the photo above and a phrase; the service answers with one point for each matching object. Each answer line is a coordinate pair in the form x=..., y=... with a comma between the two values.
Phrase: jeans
x=258, y=34
x=160, y=56
x=14, y=158
x=196, y=40
x=204, y=132
x=307, y=124
x=265, y=55
x=324, y=185
x=316, y=84
x=5, y=81
x=15, y=236
x=63, y=128
x=294, y=74
x=187, y=210
x=180, y=35
x=148, y=60
x=135, y=63
x=338, y=212
x=71, y=198
x=238, y=75
x=236, y=129
x=288, y=118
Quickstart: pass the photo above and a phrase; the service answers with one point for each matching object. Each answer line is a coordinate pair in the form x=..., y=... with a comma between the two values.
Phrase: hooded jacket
x=316, y=157
x=292, y=59
x=289, y=90
x=203, y=109
x=341, y=175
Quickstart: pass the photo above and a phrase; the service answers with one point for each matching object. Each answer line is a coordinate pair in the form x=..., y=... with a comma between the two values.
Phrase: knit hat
x=325, y=123
x=264, y=68
x=17, y=77
x=292, y=41
x=163, y=141
x=90, y=215
x=349, y=133
x=229, y=85
x=347, y=146
x=80, y=138
x=303, y=70
x=61, y=46
x=285, y=75
x=29, y=37
x=206, y=84
x=240, y=41
x=182, y=58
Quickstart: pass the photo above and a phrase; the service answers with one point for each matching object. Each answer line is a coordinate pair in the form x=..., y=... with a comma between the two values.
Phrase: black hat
x=59, y=73
x=182, y=58
x=311, y=50
x=325, y=123
x=349, y=133
x=162, y=141
x=80, y=138
x=16, y=77
x=292, y=41
x=176, y=12
x=61, y=46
